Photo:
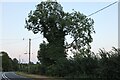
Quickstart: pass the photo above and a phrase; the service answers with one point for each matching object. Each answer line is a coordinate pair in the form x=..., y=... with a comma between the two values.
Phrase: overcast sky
x=12, y=24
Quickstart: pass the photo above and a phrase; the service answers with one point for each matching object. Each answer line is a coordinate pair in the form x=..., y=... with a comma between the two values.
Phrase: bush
x=106, y=65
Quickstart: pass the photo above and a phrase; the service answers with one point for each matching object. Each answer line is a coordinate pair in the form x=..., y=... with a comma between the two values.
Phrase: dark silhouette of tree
x=15, y=64
x=50, y=20
x=6, y=62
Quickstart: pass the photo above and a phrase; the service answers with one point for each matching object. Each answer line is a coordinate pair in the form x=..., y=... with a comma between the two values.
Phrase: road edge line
x=3, y=75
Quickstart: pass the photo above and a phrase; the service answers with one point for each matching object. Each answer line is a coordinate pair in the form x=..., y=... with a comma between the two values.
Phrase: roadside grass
x=37, y=77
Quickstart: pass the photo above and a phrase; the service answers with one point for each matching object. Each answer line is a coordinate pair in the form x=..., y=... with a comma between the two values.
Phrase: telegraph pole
x=29, y=49
x=29, y=54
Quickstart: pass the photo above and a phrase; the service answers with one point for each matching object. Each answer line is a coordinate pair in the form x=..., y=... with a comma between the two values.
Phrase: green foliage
x=34, y=68
x=6, y=62
x=80, y=28
x=103, y=65
x=43, y=55
x=106, y=66
x=45, y=18
x=60, y=69
x=42, y=69
x=23, y=67
x=15, y=64
x=48, y=55
x=50, y=20
x=110, y=63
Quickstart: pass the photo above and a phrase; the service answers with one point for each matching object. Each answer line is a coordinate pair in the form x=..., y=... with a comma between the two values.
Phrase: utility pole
x=29, y=54
x=29, y=49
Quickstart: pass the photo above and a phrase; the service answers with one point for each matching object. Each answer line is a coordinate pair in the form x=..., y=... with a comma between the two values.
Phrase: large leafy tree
x=50, y=20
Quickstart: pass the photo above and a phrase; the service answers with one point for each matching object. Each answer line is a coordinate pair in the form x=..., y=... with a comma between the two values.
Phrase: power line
x=93, y=14
x=82, y=20
x=102, y=8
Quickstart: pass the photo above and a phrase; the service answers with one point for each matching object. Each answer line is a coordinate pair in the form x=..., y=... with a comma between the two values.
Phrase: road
x=12, y=76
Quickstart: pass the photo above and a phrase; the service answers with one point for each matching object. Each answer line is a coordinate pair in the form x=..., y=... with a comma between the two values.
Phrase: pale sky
x=12, y=24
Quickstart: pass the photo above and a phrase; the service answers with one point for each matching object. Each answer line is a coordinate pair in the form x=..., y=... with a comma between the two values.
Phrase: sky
x=14, y=37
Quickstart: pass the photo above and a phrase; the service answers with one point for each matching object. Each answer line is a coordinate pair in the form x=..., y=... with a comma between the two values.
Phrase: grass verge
x=36, y=77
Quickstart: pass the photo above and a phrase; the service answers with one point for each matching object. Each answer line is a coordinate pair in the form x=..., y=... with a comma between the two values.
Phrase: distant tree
x=6, y=62
x=15, y=64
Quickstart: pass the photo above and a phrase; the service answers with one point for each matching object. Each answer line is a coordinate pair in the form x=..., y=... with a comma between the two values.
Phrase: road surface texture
x=12, y=76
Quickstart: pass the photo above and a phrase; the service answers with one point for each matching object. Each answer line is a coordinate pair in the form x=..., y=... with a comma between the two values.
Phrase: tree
x=43, y=55
x=6, y=62
x=110, y=64
x=50, y=20
x=15, y=64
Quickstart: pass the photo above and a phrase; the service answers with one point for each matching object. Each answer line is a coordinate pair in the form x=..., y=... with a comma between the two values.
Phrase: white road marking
x=5, y=77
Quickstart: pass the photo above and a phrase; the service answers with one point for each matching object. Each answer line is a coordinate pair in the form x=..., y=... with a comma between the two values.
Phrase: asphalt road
x=12, y=76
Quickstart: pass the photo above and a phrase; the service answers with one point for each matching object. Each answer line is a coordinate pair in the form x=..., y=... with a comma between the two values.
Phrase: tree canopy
x=7, y=63
x=50, y=20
